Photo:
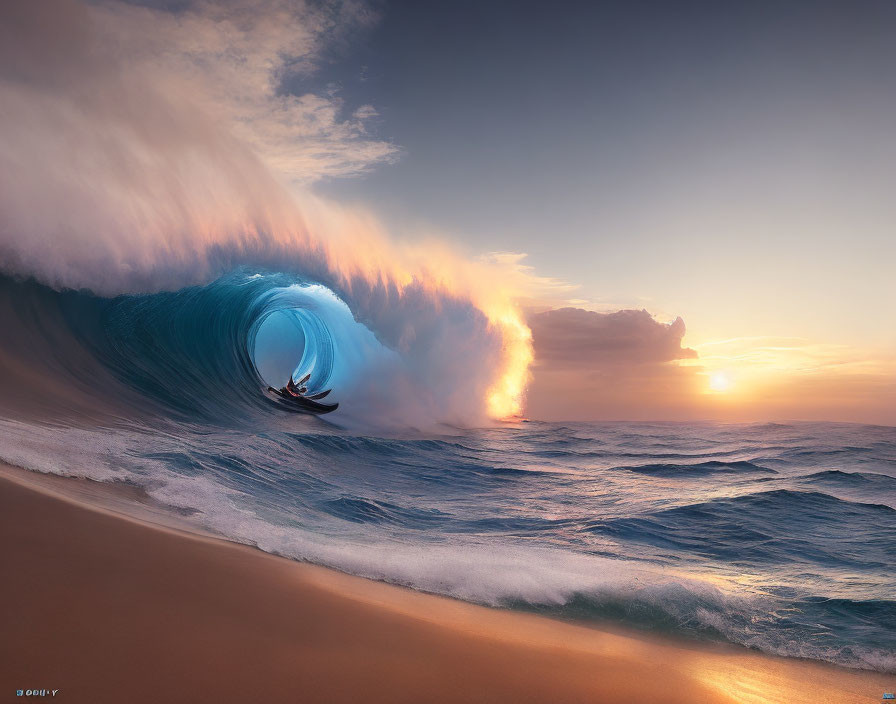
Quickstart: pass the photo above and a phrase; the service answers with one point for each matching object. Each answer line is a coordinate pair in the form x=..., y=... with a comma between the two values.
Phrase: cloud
x=236, y=58
x=609, y=366
x=227, y=59
x=582, y=339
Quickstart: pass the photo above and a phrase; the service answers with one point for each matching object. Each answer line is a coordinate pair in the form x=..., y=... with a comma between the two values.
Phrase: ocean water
x=779, y=537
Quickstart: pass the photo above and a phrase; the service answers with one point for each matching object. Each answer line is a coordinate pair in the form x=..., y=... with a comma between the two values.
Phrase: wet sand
x=106, y=608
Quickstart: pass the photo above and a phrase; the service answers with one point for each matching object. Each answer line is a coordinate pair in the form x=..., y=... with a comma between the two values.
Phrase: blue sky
x=728, y=162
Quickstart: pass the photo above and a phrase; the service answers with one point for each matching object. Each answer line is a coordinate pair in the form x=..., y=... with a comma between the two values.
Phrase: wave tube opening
x=306, y=329
x=292, y=343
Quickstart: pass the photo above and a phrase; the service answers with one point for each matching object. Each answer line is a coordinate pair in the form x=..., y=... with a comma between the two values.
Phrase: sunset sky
x=729, y=163
x=696, y=211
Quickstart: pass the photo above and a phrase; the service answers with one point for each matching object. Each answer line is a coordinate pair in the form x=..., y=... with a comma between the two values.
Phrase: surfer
x=296, y=390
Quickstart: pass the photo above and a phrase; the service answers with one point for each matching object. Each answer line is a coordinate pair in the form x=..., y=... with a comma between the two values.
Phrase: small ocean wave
x=360, y=510
x=701, y=468
x=863, y=480
x=776, y=526
x=351, y=444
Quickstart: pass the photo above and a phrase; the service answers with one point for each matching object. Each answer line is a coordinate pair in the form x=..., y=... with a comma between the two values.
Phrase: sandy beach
x=105, y=608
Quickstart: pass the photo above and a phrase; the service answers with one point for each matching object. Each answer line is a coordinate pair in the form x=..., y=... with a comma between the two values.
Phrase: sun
x=720, y=382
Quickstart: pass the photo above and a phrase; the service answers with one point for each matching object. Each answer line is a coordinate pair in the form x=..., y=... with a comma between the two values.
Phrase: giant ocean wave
x=207, y=353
